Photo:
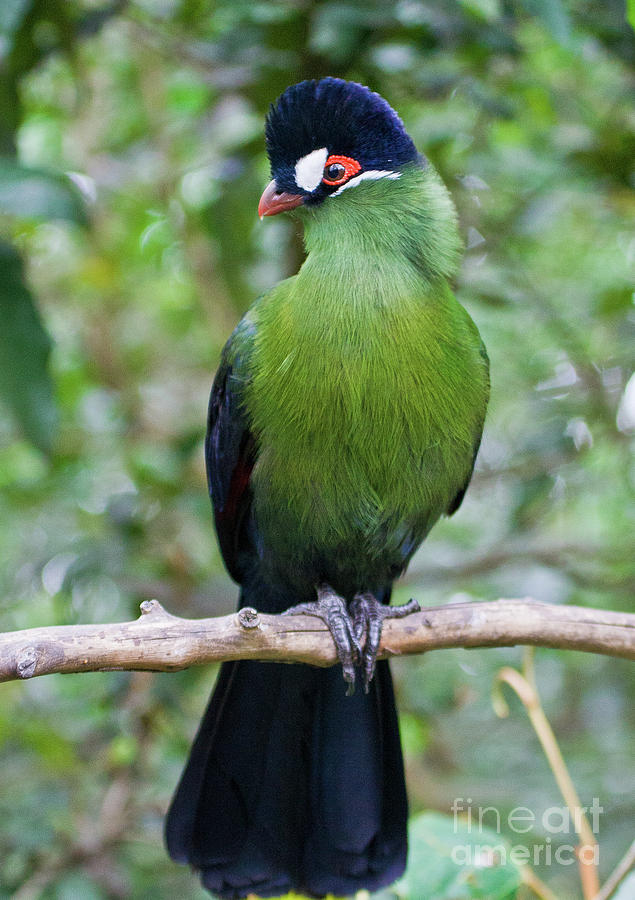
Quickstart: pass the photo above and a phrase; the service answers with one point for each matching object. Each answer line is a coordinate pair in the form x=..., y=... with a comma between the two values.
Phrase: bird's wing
x=230, y=451
x=458, y=497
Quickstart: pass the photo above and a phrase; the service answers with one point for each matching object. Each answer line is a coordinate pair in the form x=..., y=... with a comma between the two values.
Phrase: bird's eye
x=338, y=169
x=334, y=172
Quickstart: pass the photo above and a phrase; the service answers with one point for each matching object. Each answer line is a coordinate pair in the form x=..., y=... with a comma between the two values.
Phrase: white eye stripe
x=371, y=175
x=310, y=169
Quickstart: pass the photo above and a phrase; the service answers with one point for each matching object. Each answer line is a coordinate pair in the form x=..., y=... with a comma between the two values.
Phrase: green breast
x=367, y=398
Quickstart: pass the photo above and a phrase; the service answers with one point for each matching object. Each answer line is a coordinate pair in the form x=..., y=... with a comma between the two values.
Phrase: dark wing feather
x=458, y=497
x=230, y=453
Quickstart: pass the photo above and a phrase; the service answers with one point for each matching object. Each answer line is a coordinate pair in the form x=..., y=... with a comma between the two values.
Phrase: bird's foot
x=331, y=608
x=368, y=616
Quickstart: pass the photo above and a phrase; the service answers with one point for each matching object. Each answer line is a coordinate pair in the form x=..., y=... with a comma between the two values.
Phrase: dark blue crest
x=343, y=116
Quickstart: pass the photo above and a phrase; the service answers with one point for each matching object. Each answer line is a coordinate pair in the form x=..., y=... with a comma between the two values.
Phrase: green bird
x=344, y=420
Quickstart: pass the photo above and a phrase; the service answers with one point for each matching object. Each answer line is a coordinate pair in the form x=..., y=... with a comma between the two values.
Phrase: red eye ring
x=351, y=167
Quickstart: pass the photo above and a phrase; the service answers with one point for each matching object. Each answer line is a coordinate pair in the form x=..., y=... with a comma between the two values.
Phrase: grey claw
x=331, y=608
x=368, y=616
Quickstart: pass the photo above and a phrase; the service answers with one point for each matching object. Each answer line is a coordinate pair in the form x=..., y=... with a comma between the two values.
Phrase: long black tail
x=292, y=785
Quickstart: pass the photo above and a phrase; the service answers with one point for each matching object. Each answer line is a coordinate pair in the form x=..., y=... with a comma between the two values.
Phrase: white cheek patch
x=371, y=175
x=310, y=169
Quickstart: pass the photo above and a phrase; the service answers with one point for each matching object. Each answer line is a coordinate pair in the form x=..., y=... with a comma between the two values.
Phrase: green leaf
x=554, y=17
x=78, y=884
x=630, y=13
x=38, y=194
x=123, y=750
x=487, y=10
x=25, y=384
x=449, y=861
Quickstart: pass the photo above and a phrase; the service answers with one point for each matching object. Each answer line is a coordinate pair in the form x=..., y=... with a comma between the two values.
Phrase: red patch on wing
x=237, y=487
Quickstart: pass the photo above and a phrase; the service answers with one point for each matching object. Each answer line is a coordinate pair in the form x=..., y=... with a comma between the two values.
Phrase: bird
x=344, y=421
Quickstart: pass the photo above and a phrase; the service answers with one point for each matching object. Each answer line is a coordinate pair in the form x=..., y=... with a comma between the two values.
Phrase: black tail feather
x=292, y=785
x=358, y=805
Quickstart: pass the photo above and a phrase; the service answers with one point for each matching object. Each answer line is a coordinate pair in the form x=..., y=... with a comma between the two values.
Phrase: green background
x=131, y=143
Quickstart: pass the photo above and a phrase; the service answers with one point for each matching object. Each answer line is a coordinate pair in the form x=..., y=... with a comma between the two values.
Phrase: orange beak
x=274, y=201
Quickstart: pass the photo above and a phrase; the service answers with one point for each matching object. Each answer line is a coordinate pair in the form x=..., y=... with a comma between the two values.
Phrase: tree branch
x=161, y=642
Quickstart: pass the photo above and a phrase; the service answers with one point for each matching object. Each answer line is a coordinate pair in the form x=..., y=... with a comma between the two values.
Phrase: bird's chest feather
x=361, y=403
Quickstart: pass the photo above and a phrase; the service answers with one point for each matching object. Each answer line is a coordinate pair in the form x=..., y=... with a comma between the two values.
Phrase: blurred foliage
x=131, y=136
x=474, y=873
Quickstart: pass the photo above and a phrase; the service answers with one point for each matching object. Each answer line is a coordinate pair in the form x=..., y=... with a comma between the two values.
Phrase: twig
x=161, y=642
x=619, y=873
x=524, y=685
x=538, y=887
x=587, y=565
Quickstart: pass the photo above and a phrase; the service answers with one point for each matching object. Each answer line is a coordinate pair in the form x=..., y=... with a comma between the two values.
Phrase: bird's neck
x=403, y=228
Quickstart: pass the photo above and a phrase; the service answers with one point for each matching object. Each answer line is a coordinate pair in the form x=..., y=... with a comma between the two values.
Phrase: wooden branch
x=160, y=642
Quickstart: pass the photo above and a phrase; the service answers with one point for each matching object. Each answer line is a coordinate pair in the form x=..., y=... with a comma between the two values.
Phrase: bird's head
x=325, y=137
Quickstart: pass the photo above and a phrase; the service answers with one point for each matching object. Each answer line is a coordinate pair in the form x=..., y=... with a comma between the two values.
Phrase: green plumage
x=343, y=421
x=365, y=383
